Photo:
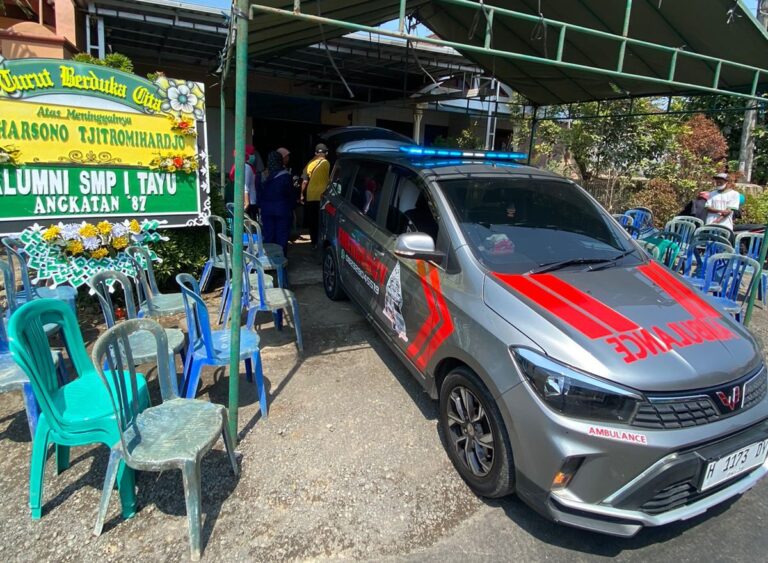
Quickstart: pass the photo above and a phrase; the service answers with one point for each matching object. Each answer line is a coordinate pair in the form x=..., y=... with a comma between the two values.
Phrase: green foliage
x=755, y=209
x=113, y=60
x=464, y=140
x=661, y=197
x=727, y=112
x=185, y=252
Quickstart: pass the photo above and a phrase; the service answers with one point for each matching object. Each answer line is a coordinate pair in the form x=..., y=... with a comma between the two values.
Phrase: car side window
x=411, y=209
x=341, y=178
x=367, y=187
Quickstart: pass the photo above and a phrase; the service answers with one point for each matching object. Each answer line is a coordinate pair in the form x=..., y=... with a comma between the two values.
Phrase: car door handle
x=379, y=253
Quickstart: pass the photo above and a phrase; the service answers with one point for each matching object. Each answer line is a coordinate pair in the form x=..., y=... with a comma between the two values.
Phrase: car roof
x=441, y=167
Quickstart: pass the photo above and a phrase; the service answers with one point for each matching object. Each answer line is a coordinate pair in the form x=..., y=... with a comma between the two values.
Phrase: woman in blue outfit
x=276, y=201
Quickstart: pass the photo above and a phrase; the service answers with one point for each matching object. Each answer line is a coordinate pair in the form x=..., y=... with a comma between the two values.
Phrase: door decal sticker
x=438, y=326
x=393, y=303
x=364, y=264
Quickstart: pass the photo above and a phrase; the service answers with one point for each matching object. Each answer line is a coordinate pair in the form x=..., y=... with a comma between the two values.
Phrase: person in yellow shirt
x=315, y=179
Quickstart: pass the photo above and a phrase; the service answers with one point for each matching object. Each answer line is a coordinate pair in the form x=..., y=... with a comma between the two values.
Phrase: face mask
x=251, y=159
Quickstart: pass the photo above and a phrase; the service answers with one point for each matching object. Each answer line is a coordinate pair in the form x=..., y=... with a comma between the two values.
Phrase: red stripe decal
x=586, y=302
x=426, y=327
x=682, y=294
x=555, y=305
x=444, y=323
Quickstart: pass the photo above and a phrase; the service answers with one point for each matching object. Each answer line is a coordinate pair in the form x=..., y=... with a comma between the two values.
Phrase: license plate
x=734, y=464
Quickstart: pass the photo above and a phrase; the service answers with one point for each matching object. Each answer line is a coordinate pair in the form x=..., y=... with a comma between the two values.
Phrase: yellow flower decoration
x=105, y=227
x=119, y=243
x=75, y=247
x=99, y=253
x=134, y=227
x=88, y=231
x=51, y=233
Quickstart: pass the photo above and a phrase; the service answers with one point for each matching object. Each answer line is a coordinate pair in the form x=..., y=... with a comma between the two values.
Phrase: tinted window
x=367, y=187
x=515, y=225
x=341, y=178
x=410, y=209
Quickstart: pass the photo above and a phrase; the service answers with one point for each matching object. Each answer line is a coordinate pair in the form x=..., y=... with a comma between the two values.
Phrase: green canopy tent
x=551, y=51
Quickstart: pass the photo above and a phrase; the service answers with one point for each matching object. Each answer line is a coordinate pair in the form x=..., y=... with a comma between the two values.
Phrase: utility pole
x=747, y=145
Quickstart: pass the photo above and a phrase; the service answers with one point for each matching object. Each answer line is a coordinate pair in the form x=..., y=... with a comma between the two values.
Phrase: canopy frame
x=244, y=10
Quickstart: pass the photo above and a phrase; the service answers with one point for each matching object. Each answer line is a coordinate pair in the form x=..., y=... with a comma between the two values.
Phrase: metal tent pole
x=241, y=89
x=223, y=106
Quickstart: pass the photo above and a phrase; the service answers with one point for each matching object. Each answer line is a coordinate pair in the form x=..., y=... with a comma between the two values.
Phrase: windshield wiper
x=560, y=264
x=612, y=261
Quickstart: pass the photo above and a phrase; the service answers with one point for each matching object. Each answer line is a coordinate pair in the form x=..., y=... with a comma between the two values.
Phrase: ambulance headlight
x=574, y=393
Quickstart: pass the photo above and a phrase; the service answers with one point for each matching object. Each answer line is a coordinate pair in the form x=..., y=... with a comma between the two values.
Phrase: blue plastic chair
x=142, y=344
x=694, y=263
x=724, y=277
x=225, y=305
x=211, y=347
x=174, y=434
x=76, y=414
x=216, y=226
x=749, y=244
x=15, y=251
x=259, y=297
x=623, y=219
x=152, y=303
x=642, y=222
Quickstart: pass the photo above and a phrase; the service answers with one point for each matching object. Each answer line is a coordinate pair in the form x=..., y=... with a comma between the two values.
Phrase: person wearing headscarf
x=253, y=168
x=276, y=200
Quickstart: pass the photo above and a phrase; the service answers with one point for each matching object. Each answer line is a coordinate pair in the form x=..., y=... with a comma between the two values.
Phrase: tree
x=728, y=113
x=113, y=60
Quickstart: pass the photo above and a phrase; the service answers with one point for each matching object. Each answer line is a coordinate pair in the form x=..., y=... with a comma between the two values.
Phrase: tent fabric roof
x=700, y=27
x=724, y=29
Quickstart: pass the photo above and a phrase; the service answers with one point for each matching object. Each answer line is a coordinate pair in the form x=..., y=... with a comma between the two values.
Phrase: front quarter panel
x=480, y=338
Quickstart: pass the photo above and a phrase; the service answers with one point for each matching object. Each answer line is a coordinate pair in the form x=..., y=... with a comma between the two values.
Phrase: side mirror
x=417, y=246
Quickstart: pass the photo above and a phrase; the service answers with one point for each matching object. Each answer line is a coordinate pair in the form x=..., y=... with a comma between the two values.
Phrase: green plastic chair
x=152, y=302
x=78, y=413
x=142, y=343
x=175, y=434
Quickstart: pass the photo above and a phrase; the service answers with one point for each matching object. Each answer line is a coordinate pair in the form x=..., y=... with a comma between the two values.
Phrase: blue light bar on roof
x=415, y=150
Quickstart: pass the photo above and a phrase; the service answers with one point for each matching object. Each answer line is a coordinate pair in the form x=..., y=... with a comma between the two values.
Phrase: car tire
x=488, y=473
x=331, y=279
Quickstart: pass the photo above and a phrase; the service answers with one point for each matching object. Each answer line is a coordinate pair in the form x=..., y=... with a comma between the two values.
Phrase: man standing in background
x=314, y=180
x=722, y=202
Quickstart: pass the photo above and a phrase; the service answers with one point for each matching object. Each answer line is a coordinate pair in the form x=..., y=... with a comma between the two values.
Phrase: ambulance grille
x=679, y=413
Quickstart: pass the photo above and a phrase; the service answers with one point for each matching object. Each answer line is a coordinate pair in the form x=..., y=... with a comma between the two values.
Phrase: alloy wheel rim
x=470, y=431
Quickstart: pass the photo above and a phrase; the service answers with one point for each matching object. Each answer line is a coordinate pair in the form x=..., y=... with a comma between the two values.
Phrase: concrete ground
x=348, y=465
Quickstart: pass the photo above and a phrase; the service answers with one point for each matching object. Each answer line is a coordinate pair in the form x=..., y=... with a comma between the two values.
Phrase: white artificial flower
x=182, y=99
